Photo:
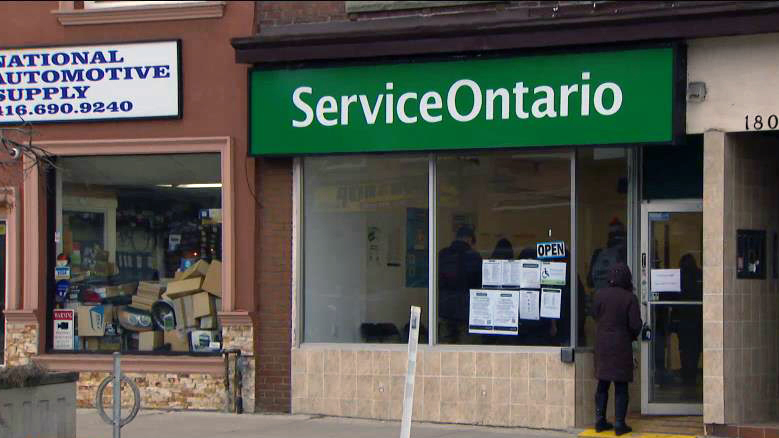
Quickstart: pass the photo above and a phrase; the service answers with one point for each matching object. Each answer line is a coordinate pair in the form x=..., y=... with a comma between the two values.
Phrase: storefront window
x=365, y=247
x=601, y=228
x=2, y=289
x=138, y=250
x=496, y=206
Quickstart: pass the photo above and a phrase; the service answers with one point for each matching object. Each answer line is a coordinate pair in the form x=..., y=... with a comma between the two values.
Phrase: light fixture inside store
x=192, y=186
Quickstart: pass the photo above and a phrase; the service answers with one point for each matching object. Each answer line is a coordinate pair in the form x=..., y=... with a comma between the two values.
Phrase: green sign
x=593, y=98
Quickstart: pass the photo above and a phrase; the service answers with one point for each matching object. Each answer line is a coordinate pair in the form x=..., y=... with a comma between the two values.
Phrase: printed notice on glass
x=505, y=311
x=551, y=301
x=553, y=273
x=665, y=280
x=480, y=314
x=530, y=274
x=512, y=273
x=492, y=273
x=493, y=312
x=528, y=304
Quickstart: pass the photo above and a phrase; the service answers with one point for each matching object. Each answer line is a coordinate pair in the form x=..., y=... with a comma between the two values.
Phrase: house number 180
x=757, y=122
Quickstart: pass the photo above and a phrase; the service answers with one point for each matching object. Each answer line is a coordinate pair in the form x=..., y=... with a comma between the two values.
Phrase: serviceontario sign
x=584, y=98
x=95, y=82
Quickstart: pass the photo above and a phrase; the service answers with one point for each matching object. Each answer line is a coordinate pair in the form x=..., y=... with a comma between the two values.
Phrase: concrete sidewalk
x=166, y=424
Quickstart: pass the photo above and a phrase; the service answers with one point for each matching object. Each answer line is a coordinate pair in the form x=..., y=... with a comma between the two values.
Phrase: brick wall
x=274, y=284
x=279, y=13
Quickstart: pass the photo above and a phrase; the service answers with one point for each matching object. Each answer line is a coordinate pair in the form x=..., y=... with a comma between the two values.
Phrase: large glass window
x=2, y=289
x=365, y=244
x=498, y=206
x=601, y=229
x=365, y=258
x=138, y=250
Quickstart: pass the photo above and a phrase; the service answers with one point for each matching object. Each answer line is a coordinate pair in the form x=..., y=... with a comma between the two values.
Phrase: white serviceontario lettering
x=547, y=101
x=585, y=94
x=425, y=105
x=565, y=91
x=430, y=105
x=303, y=106
x=326, y=105
x=402, y=108
x=598, y=98
x=519, y=99
x=345, y=102
x=504, y=103
x=390, y=111
x=451, y=100
x=371, y=114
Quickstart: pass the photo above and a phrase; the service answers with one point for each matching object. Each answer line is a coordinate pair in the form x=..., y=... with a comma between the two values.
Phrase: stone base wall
x=497, y=389
x=242, y=337
x=21, y=342
x=161, y=390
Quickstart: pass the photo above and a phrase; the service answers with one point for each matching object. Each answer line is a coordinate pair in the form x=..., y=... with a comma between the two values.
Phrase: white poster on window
x=530, y=274
x=665, y=280
x=528, y=304
x=553, y=273
x=480, y=312
x=491, y=273
x=493, y=312
x=512, y=273
x=505, y=308
x=551, y=302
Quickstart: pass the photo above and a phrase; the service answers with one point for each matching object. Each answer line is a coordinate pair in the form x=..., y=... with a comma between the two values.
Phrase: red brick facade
x=274, y=284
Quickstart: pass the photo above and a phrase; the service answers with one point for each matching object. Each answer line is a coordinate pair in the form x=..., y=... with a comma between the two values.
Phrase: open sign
x=550, y=250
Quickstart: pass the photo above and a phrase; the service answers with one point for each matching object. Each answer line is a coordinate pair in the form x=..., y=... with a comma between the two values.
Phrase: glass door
x=672, y=298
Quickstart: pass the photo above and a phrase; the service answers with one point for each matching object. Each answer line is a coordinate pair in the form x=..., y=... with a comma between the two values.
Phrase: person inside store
x=459, y=270
x=689, y=319
x=503, y=250
x=618, y=316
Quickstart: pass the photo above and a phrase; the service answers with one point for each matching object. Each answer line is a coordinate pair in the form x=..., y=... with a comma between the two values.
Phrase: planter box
x=47, y=410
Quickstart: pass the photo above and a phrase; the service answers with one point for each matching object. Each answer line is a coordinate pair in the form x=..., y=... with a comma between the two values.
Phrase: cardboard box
x=204, y=340
x=185, y=312
x=198, y=269
x=213, y=282
x=178, y=289
x=178, y=340
x=203, y=304
x=91, y=320
x=208, y=323
x=91, y=344
x=148, y=341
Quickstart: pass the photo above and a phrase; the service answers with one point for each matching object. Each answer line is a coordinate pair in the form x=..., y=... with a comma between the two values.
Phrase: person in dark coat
x=459, y=270
x=616, y=310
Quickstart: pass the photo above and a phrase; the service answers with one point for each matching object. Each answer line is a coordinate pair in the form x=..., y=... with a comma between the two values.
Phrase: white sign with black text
x=93, y=82
x=63, y=329
x=493, y=312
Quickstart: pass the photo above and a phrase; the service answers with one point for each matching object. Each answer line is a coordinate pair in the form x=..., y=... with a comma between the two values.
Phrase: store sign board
x=94, y=82
x=591, y=98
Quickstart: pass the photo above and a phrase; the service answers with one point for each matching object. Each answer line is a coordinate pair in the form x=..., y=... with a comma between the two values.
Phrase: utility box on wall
x=751, y=257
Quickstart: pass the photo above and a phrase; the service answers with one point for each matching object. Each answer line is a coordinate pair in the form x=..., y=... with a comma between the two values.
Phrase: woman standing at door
x=618, y=316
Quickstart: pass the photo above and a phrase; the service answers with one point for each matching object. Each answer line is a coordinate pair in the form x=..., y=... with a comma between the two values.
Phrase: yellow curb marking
x=590, y=433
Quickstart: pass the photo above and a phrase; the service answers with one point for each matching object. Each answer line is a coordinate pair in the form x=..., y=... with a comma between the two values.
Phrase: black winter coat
x=619, y=323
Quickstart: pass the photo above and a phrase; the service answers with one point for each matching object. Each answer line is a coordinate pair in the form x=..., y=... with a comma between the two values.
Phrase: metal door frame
x=662, y=206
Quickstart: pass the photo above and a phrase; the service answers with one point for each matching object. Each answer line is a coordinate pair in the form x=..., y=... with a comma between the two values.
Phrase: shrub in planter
x=37, y=403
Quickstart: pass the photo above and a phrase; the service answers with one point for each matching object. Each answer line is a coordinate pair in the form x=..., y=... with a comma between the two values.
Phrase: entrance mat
x=590, y=433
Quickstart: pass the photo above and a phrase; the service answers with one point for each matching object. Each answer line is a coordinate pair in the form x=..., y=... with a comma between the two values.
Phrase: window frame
x=136, y=11
x=298, y=282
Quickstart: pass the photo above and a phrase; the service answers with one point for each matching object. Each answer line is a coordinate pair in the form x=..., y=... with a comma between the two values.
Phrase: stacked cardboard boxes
x=148, y=293
x=196, y=295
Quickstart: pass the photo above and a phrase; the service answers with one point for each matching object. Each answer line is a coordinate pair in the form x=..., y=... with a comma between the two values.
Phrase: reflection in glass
x=498, y=205
x=601, y=225
x=365, y=252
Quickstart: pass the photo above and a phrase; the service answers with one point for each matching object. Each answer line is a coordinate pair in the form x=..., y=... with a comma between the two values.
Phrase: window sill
x=213, y=365
x=134, y=14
